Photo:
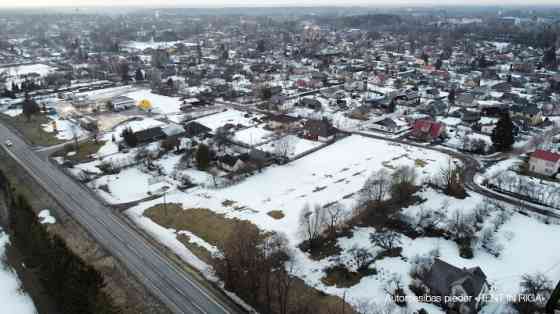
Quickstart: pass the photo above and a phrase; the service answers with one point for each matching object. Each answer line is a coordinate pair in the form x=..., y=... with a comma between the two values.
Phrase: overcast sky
x=252, y=3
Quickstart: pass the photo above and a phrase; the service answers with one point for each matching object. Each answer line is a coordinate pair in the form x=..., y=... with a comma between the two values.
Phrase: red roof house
x=427, y=129
x=544, y=162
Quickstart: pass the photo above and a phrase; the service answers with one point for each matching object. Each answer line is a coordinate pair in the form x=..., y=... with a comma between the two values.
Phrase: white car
x=8, y=143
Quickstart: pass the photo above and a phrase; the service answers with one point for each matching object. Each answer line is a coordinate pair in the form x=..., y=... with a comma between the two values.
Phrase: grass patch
x=209, y=226
x=215, y=229
x=319, y=188
x=228, y=203
x=387, y=164
x=419, y=163
x=276, y=214
x=32, y=130
x=196, y=249
x=83, y=153
x=322, y=249
x=341, y=277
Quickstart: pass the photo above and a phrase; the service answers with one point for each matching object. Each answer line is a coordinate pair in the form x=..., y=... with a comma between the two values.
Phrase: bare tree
x=386, y=240
x=376, y=187
x=489, y=243
x=461, y=226
x=284, y=146
x=311, y=223
x=539, y=287
x=222, y=136
x=395, y=289
x=451, y=179
x=361, y=257
x=334, y=217
x=403, y=183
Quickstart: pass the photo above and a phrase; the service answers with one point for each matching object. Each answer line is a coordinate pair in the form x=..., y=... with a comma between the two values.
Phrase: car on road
x=8, y=143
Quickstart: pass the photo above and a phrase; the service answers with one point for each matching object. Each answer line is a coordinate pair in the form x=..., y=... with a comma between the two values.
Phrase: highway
x=177, y=289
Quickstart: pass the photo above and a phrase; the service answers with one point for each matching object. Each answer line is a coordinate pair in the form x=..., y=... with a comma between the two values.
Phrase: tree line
x=74, y=285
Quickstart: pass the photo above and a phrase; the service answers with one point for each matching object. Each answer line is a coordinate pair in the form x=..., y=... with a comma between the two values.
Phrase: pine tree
x=202, y=157
x=502, y=135
x=139, y=76
x=29, y=107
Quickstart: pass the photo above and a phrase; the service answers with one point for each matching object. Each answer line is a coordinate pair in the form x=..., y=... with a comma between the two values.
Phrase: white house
x=544, y=162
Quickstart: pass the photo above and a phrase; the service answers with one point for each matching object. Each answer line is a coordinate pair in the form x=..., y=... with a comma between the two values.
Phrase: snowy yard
x=298, y=146
x=253, y=136
x=234, y=117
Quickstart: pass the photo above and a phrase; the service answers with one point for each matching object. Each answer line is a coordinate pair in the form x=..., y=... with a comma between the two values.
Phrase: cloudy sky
x=232, y=3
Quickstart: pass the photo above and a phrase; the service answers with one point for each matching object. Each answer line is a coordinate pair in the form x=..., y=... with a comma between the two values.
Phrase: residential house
x=319, y=130
x=89, y=123
x=390, y=125
x=194, y=128
x=120, y=103
x=467, y=284
x=530, y=112
x=281, y=121
x=465, y=100
x=149, y=135
x=428, y=130
x=544, y=162
x=173, y=131
x=470, y=117
x=311, y=103
x=233, y=163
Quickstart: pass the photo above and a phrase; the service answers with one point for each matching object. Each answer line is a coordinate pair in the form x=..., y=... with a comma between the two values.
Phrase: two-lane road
x=177, y=289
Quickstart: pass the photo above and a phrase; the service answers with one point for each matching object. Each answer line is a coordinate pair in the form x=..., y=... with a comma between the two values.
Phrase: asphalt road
x=177, y=289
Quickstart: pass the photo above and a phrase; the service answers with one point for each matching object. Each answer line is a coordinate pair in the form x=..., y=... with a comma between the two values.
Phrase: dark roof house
x=150, y=135
x=319, y=129
x=444, y=279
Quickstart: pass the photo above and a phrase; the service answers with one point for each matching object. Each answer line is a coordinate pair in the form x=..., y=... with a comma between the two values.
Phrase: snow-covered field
x=12, y=298
x=336, y=172
x=16, y=73
x=160, y=104
x=331, y=174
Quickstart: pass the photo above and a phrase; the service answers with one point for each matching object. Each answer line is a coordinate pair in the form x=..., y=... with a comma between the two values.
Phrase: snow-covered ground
x=253, y=136
x=16, y=73
x=143, y=45
x=234, y=117
x=298, y=146
x=12, y=298
x=65, y=129
x=160, y=104
x=336, y=172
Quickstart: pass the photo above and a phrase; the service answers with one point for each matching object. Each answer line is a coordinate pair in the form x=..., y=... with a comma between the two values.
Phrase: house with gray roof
x=466, y=284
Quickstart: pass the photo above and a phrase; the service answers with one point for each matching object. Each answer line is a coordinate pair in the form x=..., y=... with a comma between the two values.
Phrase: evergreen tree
x=438, y=64
x=426, y=58
x=502, y=135
x=138, y=76
x=29, y=107
x=129, y=137
x=549, y=58
x=202, y=157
